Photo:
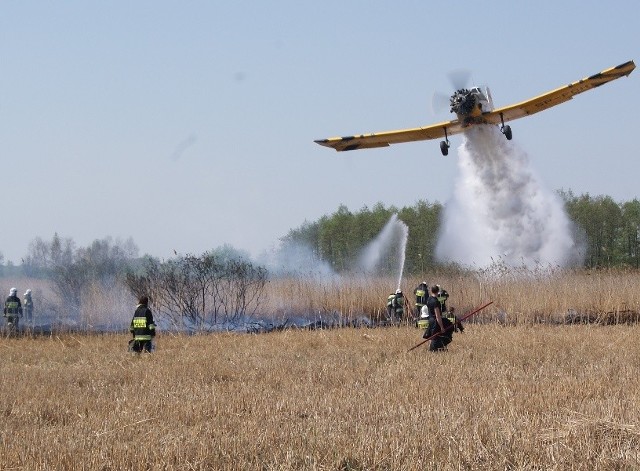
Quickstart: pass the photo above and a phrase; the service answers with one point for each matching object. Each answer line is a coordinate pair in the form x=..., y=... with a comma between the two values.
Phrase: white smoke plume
x=295, y=259
x=500, y=212
x=390, y=242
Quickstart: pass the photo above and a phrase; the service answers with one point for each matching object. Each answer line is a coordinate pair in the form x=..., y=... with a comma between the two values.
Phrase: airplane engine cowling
x=463, y=102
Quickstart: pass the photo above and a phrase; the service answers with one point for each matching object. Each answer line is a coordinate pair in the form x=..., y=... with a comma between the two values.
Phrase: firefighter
x=422, y=293
x=423, y=321
x=437, y=323
x=395, y=305
x=28, y=306
x=143, y=328
x=448, y=312
x=12, y=310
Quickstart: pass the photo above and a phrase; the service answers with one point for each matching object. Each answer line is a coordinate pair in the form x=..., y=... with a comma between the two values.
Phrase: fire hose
x=466, y=316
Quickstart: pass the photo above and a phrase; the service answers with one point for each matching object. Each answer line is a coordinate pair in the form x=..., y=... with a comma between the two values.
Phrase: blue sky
x=188, y=125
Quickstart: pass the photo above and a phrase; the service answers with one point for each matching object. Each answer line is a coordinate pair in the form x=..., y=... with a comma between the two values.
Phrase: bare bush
x=200, y=290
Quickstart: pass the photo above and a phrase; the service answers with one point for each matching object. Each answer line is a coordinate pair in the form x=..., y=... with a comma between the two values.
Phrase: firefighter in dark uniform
x=448, y=312
x=437, y=323
x=143, y=328
x=422, y=293
x=12, y=309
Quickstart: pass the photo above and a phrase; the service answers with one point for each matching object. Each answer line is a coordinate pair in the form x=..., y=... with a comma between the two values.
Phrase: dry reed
x=547, y=296
x=606, y=296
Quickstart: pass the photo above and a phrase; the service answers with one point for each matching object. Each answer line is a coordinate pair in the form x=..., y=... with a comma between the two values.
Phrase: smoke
x=393, y=235
x=385, y=253
x=298, y=260
x=500, y=213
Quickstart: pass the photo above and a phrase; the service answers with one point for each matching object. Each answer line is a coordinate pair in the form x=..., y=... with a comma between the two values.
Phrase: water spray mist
x=394, y=234
x=500, y=212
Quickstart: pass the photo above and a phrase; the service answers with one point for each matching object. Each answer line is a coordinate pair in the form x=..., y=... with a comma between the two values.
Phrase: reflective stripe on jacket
x=140, y=329
x=12, y=306
x=142, y=325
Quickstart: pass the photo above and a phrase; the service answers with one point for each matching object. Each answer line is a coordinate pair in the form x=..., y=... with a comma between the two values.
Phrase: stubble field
x=520, y=389
x=502, y=397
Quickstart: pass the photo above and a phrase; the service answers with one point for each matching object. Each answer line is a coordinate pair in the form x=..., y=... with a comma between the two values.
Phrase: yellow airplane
x=475, y=106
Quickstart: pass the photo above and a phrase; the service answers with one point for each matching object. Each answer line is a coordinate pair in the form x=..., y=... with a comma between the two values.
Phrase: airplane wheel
x=444, y=148
x=507, y=132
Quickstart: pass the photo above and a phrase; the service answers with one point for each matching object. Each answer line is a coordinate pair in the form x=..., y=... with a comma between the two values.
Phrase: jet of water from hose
x=389, y=244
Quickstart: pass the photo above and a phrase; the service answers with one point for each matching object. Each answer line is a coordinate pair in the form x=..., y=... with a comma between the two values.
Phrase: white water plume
x=500, y=212
x=389, y=244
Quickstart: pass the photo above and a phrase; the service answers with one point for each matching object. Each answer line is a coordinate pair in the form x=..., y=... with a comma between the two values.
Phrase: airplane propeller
x=459, y=79
x=439, y=102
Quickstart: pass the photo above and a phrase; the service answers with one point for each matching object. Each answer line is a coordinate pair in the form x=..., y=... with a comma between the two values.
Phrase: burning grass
x=503, y=397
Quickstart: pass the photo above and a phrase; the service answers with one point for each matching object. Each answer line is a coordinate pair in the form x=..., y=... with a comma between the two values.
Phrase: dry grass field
x=519, y=390
x=502, y=397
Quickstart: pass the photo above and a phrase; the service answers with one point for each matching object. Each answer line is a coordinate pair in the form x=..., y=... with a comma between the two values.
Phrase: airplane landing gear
x=444, y=147
x=506, y=130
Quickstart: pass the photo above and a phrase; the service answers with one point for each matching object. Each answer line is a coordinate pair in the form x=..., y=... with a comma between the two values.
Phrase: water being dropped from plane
x=500, y=212
x=389, y=245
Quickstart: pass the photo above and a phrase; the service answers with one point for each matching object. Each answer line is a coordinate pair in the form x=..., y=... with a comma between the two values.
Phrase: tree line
x=610, y=232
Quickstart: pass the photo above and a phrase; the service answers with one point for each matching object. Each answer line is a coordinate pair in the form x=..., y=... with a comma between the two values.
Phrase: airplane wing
x=560, y=95
x=497, y=116
x=386, y=138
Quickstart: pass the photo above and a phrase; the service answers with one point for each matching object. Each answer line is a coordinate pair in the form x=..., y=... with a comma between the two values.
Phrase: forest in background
x=610, y=232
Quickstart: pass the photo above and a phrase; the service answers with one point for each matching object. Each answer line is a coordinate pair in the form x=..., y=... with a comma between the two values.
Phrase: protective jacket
x=28, y=305
x=442, y=298
x=448, y=314
x=422, y=295
x=12, y=306
x=142, y=325
x=395, y=304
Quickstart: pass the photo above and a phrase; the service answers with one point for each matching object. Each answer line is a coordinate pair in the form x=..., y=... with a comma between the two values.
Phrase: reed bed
x=553, y=296
x=502, y=397
x=544, y=296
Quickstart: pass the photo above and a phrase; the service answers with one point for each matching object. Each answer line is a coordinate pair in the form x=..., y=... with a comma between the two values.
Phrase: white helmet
x=424, y=312
x=398, y=291
x=12, y=292
x=27, y=293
